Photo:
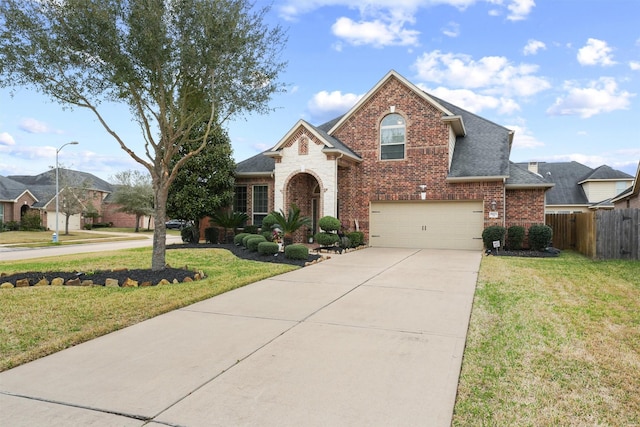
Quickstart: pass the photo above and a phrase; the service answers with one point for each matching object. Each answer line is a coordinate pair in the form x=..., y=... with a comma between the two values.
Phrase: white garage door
x=74, y=221
x=433, y=225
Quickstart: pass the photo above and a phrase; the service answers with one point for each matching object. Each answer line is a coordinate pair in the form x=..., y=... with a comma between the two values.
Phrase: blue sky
x=564, y=74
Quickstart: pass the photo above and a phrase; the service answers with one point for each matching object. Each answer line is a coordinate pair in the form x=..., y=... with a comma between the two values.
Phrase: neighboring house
x=406, y=168
x=579, y=188
x=629, y=198
x=20, y=193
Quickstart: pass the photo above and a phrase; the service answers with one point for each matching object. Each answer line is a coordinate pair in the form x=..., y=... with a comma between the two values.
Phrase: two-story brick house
x=406, y=168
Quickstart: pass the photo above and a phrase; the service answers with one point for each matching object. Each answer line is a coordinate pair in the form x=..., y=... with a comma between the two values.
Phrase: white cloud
x=595, y=52
x=7, y=139
x=523, y=137
x=325, y=104
x=383, y=22
x=472, y=101
x=33, y=126
x=533, y=46
x=493, y=75
x=451, y=30
x=634, y=65
x=520, y=9
x=376, y=33
x=599, y=96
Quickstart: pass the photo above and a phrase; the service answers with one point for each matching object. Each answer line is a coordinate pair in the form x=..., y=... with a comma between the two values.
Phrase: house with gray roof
x=579, y=188
x=629, y=198
x=20, y=194
x=406, y=168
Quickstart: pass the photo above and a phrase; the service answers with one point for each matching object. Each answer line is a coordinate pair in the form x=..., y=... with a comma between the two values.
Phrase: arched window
x=392, y=137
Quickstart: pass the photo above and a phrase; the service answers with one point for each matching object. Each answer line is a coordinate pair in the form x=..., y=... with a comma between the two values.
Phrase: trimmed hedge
x=190, y=234
x=252, y=242
x=268, y=248
x=251, y=229
x=296, y=251
x=211, y=234
x=326, y=239
x=237, y=240
x=267, y=235
x=329, y=223
x=268, y=222
x=540, y=237
x=515, y=237
x=246, y=238
x=491, y=234
x=356, y=237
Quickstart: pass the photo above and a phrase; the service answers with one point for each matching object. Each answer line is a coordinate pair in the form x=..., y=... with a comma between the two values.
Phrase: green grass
x=552, y=341
x=44, y=238
x=37, y=321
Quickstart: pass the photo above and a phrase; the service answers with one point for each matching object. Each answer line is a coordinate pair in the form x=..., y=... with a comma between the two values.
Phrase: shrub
x=252, y=242
x=329, y=223
x=246, y=238
x=88, y=226
x=326, y=239
x=515, y=237
x=356, y=237
x=344, y=242
x=268, y=222
x=540, y=237
x=267, y=235
x=12, y=226
x=211, y=234
x=190, y=234
x=491, y=234
x=251, y=229
x=31, y=221
x=237, y=240
x=296, y=251
x=268, y=248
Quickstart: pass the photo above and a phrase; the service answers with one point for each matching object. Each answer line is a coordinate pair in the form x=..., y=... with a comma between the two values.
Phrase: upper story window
x=392, y=137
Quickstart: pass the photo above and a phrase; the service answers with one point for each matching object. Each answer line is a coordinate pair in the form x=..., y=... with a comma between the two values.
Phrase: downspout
x=336, y=183
x=504, y=202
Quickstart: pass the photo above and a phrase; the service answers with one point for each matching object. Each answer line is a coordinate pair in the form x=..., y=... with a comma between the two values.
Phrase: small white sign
x=493, y=214
x=496, y=244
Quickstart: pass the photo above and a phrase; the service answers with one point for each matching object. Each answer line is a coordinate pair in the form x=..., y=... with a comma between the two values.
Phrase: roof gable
x=455, y=121
x=331, y=144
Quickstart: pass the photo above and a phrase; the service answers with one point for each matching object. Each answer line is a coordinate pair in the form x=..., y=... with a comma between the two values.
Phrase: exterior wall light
x=494, y=205
x=423, y=191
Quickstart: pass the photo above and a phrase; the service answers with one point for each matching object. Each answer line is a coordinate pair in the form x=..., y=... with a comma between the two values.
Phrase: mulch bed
x=100, y=277
x=148, y=275
x=547, y=253
x=242, y=252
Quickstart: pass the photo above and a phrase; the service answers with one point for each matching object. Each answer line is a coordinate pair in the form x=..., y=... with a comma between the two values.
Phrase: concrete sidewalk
x=372, y=337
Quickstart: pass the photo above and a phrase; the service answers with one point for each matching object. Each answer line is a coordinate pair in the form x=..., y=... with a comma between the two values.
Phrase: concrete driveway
x=372, y=337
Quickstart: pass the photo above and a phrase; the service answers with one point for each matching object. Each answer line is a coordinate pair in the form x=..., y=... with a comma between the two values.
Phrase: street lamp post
x=56, y=234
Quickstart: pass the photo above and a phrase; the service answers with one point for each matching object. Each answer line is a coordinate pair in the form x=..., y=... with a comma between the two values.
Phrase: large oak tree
x=175, y=63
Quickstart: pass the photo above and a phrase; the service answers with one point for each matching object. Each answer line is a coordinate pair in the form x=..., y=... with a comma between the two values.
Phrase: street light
x=55, y=235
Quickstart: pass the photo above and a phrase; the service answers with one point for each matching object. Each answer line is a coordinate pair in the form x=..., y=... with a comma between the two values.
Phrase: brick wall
x=426, y=161
x=249, y=183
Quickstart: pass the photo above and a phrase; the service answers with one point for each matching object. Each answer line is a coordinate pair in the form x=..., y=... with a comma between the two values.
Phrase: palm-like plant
x=229, y=220
x=290, y=222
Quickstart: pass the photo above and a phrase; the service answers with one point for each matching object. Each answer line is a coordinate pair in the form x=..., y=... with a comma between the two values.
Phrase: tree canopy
x=205, y=183
x=176, y=64
x=134, y=194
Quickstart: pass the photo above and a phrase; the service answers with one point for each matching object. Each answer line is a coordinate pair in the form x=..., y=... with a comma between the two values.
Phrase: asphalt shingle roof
x=565, y=176
x=521, y=176
x=256, y=164
x=606, y=172
x=10, y=189
x=483, y=151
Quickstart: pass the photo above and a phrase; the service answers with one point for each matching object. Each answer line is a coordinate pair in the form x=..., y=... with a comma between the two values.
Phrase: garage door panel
x=437, y=225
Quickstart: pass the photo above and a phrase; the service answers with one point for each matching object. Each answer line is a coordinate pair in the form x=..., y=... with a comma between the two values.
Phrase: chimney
x=533, y=167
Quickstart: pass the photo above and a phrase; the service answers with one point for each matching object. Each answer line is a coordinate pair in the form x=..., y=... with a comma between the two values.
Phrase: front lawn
x=552, y=342
x=36, y=321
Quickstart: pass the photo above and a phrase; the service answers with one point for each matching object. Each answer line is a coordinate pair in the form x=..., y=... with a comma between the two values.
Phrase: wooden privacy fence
x=604, y=234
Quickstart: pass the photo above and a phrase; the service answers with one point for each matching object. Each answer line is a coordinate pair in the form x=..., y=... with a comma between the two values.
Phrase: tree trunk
x=158, y=259
x=137, y=223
